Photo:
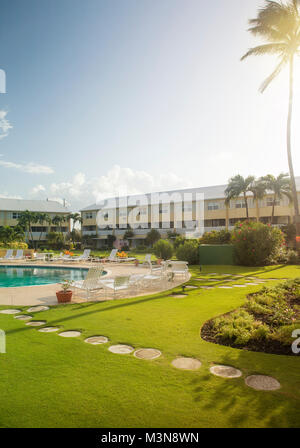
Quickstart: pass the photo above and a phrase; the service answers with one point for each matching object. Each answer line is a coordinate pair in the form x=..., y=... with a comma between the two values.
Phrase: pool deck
x=45, y=294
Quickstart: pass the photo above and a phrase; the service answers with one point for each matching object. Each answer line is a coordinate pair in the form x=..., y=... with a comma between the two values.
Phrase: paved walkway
x=45, y=294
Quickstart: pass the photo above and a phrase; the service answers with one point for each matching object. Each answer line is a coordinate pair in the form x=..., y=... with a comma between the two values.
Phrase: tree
x=75, y=217
x=280, y=186
x=278, y=24
x=152, y=237
x=41, y=219
x=9, y=234
x=128, y=235
x=26, y=220
x=237, y=186
x=163, y=249
x=58, y=220
x=258, y=189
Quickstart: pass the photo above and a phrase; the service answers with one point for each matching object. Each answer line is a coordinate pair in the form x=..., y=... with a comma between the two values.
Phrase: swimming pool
x=12, y=276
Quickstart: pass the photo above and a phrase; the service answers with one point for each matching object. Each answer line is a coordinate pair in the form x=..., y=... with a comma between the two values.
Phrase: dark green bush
x=188, y=251
x=163, y=249
x=216, y=237
x=256, y=243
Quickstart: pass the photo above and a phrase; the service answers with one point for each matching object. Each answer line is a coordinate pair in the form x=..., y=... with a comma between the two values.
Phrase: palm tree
x=278, y=24
x=280, y=186
x=76, y=217
x=258, y=189
x=237, y=186
x=42, y=218
x=25, y=220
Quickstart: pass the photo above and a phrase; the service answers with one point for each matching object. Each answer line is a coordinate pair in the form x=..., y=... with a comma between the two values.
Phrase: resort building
x=10, y=210
x=167, y=213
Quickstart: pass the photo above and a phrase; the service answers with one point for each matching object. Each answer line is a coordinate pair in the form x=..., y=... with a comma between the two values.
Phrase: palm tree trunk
x=246, y=202
x=273, y=210
x=289, y=153
x=257, y=210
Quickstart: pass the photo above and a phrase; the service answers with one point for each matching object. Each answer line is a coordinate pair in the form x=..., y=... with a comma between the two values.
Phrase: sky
x=108, y=97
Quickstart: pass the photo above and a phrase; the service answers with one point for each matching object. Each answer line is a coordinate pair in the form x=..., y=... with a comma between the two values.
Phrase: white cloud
x=117, y=181
x=38, y=189
x=31, y=167
x=9, y=196
x=5, y=126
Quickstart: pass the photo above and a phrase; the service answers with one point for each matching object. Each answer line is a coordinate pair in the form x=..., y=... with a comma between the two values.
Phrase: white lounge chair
x=147, y=260
x=19, y=255
x=84, y=257
x=91, y=283
x=38, y=257
x=117, y=284
x=179, y=268
x=112, y=256
x=8, y=255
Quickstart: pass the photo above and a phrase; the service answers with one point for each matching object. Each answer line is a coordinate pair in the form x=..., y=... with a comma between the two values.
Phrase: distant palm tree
x=237, y=186
x=278, y=24
x=76, y=217
x=280, y=186
x=258, y=189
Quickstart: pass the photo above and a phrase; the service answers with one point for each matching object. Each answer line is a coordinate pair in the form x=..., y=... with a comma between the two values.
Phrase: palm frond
x=260, y=50
x=273, y=75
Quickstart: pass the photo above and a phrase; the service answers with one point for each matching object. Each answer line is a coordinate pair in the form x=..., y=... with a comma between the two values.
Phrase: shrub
x=284, y=334
x=239, y=328
x=188, y=251
x=152, y=237
x=256, y=243
x=163, y=249
x=14, y=245
x=216, y=237
x=178, y=241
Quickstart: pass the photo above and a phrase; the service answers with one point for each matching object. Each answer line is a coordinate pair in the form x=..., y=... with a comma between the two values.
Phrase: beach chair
x=8, y=255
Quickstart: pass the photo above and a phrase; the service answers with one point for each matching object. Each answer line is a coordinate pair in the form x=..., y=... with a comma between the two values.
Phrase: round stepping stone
x=96, y=340
x=23, y=317
x=262, y=382
x=121, y=349
x=38, y=308
x=36, y=323
x=69, y=334
x=48, y=329
x=179, y=296
x=225, y=371
x=225, y=287
x=186, y=363
x=147, y=353
x=11, y=311
x=191, y=287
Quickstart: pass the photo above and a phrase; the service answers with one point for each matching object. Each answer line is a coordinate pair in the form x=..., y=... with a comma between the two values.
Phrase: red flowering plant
x=256, y=243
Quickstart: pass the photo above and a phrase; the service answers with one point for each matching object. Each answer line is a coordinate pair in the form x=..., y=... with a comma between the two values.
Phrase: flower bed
x=265, y=323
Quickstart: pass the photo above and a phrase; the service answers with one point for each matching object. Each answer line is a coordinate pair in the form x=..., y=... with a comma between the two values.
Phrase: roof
x=20, y=205
x=214, y=192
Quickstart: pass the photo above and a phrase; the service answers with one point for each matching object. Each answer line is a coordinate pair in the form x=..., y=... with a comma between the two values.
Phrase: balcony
x=89, y=233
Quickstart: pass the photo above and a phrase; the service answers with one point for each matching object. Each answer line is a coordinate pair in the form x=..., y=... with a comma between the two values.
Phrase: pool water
x=11, y=276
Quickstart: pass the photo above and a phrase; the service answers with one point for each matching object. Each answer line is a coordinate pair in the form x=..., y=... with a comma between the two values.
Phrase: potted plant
x=65, y=294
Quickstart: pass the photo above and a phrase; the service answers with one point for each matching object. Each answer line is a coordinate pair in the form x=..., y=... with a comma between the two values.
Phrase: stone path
x=225, y=371
x=186, y=363
x=257, y=382
x=262, y=382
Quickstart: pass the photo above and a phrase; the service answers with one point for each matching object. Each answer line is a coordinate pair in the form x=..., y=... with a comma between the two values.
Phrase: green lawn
x=46, y=380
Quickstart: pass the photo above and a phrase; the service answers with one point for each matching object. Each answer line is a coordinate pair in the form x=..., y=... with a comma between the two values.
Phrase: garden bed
x=264, y=324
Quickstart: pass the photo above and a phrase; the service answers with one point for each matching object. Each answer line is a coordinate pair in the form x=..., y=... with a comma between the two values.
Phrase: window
x=39, y=229
x=214, y=223
x=89, y=215
x=213, y=206
x=240, y=205
x=16, y=215
x=270, y=202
